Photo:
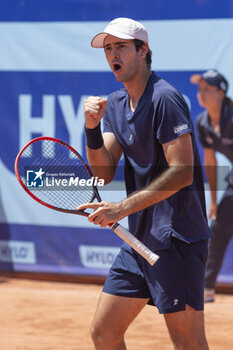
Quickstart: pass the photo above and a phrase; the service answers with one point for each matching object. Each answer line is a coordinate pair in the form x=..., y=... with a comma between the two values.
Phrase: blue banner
x=101, y=10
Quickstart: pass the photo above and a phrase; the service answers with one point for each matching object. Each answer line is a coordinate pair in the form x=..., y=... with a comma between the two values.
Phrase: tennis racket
x=55, y=175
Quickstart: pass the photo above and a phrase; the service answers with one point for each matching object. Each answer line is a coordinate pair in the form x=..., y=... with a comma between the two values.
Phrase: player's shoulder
x=165, y=94
x=117, y=96
x=163, y=90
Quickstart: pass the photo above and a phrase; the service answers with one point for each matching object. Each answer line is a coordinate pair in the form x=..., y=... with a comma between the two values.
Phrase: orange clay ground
x=42, y=315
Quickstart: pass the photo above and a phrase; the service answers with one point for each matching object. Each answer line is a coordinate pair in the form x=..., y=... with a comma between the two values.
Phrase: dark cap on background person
x=212, y=77
x=122, y=28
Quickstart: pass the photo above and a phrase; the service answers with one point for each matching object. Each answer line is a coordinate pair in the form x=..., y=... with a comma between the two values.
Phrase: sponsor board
x=97, y=256
x=17, y=252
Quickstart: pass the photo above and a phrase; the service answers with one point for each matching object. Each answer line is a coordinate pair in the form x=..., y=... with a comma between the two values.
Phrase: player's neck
x=136, y=86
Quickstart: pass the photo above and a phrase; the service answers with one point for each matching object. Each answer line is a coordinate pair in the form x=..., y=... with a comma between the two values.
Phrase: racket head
x=54, y=174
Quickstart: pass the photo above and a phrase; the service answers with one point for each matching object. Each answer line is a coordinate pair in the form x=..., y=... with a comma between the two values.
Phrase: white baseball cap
x=122, y=28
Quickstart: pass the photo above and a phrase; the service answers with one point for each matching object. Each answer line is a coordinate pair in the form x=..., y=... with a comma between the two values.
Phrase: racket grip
x=140, y=248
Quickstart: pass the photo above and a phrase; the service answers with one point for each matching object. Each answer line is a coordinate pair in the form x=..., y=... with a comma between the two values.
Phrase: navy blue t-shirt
x=221, y=142
x=161, y=116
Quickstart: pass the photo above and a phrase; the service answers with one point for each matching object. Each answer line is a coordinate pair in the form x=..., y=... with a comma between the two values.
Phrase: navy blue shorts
x=175, y=280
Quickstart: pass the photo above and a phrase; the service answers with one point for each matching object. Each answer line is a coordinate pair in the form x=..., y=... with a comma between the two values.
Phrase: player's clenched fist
x=94, y=108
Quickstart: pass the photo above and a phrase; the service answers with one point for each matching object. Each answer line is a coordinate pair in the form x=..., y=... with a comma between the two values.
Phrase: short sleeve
x=172, y=117
x=106, y=122
x=201, y=132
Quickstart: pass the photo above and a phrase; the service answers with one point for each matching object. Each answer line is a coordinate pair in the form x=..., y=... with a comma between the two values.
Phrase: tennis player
x=149, y=122
x=215, y=133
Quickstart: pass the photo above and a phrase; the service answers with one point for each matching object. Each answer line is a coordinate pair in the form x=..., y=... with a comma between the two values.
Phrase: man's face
x=208, y=95
x=122, y=57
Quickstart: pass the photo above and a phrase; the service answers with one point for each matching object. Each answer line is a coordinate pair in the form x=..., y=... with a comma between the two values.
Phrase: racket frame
x=130, y=239
x=70, y=148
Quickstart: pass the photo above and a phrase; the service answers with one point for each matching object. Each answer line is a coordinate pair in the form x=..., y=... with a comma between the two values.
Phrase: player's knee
x=178, y=340
x=182, y=342
x=103, y=335
x=97, y=335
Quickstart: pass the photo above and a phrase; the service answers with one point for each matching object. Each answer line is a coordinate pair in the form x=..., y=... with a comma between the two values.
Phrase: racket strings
x=61, y=185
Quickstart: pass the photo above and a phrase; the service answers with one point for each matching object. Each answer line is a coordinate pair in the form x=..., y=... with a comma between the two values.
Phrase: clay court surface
x=41, y=315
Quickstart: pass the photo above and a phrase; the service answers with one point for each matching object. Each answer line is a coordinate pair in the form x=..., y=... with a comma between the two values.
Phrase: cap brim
x=98, y=40
x=195, y=78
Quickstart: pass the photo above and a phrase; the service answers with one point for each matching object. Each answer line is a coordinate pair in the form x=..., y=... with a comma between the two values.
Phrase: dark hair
x=228, y=101
x=138, y=45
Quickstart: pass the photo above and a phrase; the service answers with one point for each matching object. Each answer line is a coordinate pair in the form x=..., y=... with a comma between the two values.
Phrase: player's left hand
x=104, y=213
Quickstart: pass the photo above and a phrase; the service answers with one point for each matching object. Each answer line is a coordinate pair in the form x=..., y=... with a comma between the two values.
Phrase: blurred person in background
x=215, y=133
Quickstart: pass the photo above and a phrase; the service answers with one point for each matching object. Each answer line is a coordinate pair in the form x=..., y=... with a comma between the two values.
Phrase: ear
x=144, y=49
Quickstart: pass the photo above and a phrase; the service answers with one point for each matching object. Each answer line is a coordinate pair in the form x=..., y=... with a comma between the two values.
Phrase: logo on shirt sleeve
x=177, y=129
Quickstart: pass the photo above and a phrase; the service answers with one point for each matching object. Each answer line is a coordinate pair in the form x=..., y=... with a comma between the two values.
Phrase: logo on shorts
x=175, y=302
x=35, y=178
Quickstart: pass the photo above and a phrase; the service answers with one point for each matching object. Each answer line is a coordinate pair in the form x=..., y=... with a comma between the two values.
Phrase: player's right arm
x=103, y=160
x=210, y=164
